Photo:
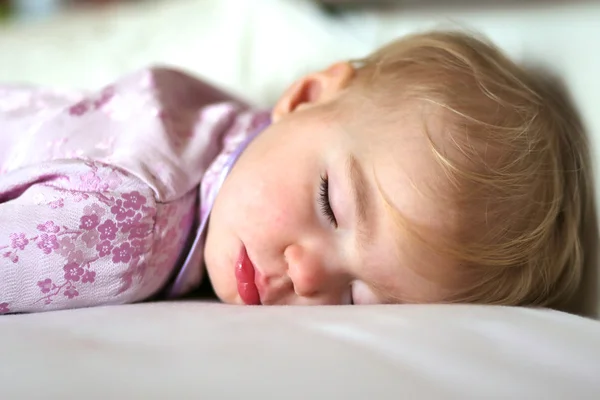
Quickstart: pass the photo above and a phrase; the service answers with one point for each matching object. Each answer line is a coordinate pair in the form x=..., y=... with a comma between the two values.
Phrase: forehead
x=398, y=154
x=407, y=182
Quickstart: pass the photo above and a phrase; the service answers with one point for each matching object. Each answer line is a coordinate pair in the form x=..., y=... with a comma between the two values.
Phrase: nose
x=307, y=270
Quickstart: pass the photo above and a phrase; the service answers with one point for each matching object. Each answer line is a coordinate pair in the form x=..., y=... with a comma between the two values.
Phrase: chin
x=227, y=299
x=227, y=296
x=225, y=289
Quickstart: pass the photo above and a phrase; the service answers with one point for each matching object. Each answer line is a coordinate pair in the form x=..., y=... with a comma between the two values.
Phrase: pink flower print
x=79, y=196
x=71, y=292
x=76, y=257
x=105, y=97
x=57, y=204
x=47, y=243
x=104, y=248
x=134, y=200
x=48, y=227
x=13, y=256
x=93, y=209
x=4, y=308
x=89, y=222
x=150, y=211
x=18, y=241
x=79, y=109
x=122, y=253
x=129, y=223
x=46, y=285
x=139, y=231
x=89, y=181
x=108, y=230
x=65, y=246
x=90, y=238
x=73, y=272
x=88, y=277
x=112, y=181
x=137, y=248
x=120, y=211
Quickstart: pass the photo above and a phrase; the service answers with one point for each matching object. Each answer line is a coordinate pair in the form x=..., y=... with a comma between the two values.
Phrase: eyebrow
x=360, y=193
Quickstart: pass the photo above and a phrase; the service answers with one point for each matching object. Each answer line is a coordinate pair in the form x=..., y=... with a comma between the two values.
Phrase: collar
x=247, y=126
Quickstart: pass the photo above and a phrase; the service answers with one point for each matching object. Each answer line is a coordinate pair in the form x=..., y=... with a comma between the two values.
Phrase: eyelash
x=324, y=201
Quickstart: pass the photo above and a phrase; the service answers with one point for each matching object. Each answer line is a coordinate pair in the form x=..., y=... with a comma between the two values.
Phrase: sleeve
x=76, y=232
x=82, y=234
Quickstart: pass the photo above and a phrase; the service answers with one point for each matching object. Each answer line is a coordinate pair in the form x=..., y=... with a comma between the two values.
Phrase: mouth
x=245, y=276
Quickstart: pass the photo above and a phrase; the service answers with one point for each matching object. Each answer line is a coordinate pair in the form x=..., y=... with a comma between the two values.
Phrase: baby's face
x=300, y=218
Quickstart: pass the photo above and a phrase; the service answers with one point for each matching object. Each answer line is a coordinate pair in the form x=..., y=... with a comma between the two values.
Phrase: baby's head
x=434, y=170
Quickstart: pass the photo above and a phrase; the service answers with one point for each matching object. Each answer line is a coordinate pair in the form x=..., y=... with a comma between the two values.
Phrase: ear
x=313, y=89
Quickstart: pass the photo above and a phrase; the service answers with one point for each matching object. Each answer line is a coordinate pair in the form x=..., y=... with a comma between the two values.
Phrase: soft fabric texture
x=99, y=192
x=199, y=350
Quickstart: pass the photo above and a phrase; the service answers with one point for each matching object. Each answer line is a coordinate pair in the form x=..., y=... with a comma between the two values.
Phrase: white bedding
x=203, y=350
x=214, y=351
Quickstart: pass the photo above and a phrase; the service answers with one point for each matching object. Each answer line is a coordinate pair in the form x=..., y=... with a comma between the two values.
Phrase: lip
x=245, y=275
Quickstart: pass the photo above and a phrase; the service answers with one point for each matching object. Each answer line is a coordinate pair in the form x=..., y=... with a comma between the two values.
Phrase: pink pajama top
x=105, y=197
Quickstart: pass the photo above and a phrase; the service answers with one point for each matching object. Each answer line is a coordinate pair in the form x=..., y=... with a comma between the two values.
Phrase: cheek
x=268, y=194
x=274, y=208
x=256, y=204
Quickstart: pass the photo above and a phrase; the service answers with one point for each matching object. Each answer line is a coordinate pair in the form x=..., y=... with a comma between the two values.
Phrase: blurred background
x=257, y=47
x=30, y=9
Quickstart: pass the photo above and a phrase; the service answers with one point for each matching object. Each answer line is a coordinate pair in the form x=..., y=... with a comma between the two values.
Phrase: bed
x=191, y=349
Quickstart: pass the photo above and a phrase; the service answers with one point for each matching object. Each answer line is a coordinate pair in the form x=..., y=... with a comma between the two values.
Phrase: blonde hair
x=519, y=181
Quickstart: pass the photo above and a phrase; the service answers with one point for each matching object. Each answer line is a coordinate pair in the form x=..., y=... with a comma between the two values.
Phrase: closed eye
x=324, y=202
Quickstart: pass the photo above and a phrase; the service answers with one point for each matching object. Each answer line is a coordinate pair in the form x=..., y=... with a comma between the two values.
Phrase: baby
x=433, y=171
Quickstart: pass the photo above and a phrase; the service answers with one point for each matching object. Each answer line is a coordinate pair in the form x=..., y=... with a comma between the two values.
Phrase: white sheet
x=256, y=48
x=214, y=351
x=175, y=350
